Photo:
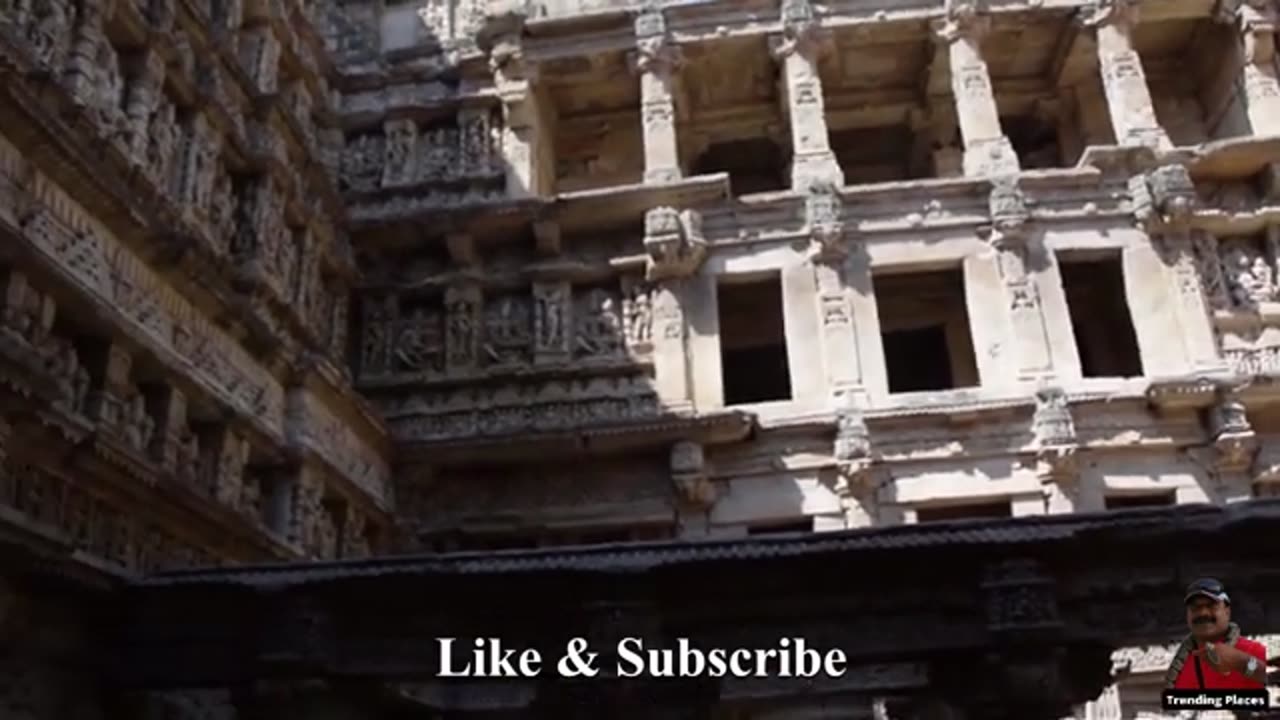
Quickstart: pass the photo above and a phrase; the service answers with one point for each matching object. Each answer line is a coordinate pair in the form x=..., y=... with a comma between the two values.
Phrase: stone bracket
x=674, y=243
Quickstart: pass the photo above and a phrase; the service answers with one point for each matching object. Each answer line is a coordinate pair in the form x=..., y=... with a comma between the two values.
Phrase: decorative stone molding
x=690, y=476
x=674, y=243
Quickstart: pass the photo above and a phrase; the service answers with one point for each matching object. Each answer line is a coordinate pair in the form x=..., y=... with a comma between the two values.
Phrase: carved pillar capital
x=690, y=475
x=1233, y=437
x=965, y=20
x=824, y=219
x=655, y=52
x=674, y=242
x=1056, y=442
x=1121, y=13
x=1164, y=199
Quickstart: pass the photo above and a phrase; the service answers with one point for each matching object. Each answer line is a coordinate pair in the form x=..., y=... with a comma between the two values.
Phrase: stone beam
x=799, y=49
x=657, y=60
x=1073, y=57
x=987, y=151
x=1133, y=116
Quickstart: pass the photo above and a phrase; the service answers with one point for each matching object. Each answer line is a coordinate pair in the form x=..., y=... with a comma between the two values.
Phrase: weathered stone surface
x=277, y=277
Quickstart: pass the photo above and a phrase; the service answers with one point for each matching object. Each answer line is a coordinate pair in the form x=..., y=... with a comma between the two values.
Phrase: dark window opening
x=753, y=343
x=971, y=511
x=1129, y=501
x=336, y=509
x=1035, y=141
x=916, y=359
x=276, y=501
x=781, y=528
x=1100, y=318
x=753, y=165
x=878, y=154
x=925, y=331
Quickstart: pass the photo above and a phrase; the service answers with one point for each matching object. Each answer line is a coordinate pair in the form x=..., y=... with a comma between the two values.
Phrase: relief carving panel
x=62, y=230
x=465, y=332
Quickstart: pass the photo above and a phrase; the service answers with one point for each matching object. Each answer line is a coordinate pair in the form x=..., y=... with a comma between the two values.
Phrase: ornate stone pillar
x=171, y=422
x=528, y=123
x=1164, y=199
x=146, y=89
x=799, y=48
x=694, y=491
x=987, y=151
x=676, y=248
x=1133, y=116
x=259, y=51
x=657, y=61
x=829, y=250
x=1016, y=258
x=1255, y=20
x=856, y=480
x=225, y=455
x=112, y=385
x=1056, y=444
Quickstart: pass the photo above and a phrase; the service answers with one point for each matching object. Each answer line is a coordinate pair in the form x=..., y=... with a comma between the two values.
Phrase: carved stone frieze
x=405, y=154
x=550, y=323
x=110, y=273
x=519, y=408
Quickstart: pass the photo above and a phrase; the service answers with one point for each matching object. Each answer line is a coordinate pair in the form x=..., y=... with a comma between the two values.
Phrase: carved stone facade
x=298, y=280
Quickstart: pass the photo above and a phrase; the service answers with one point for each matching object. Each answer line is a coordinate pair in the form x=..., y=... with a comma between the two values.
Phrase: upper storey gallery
x=596, y=94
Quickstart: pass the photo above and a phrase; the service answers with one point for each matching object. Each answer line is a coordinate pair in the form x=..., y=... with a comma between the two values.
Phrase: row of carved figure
x=1240, y=274
x=403, y=154
x=150, y=425
x=466, y=331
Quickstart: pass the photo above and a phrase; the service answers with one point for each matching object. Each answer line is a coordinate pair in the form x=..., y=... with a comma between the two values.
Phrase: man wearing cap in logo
x=1214, y=656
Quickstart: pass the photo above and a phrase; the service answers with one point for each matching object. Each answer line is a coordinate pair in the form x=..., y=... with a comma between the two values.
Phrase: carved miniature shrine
x=338, y=281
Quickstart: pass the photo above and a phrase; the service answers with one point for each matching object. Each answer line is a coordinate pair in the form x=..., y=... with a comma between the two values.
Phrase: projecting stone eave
x=1234, y=158
x=716, y=428
x=501, y=219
